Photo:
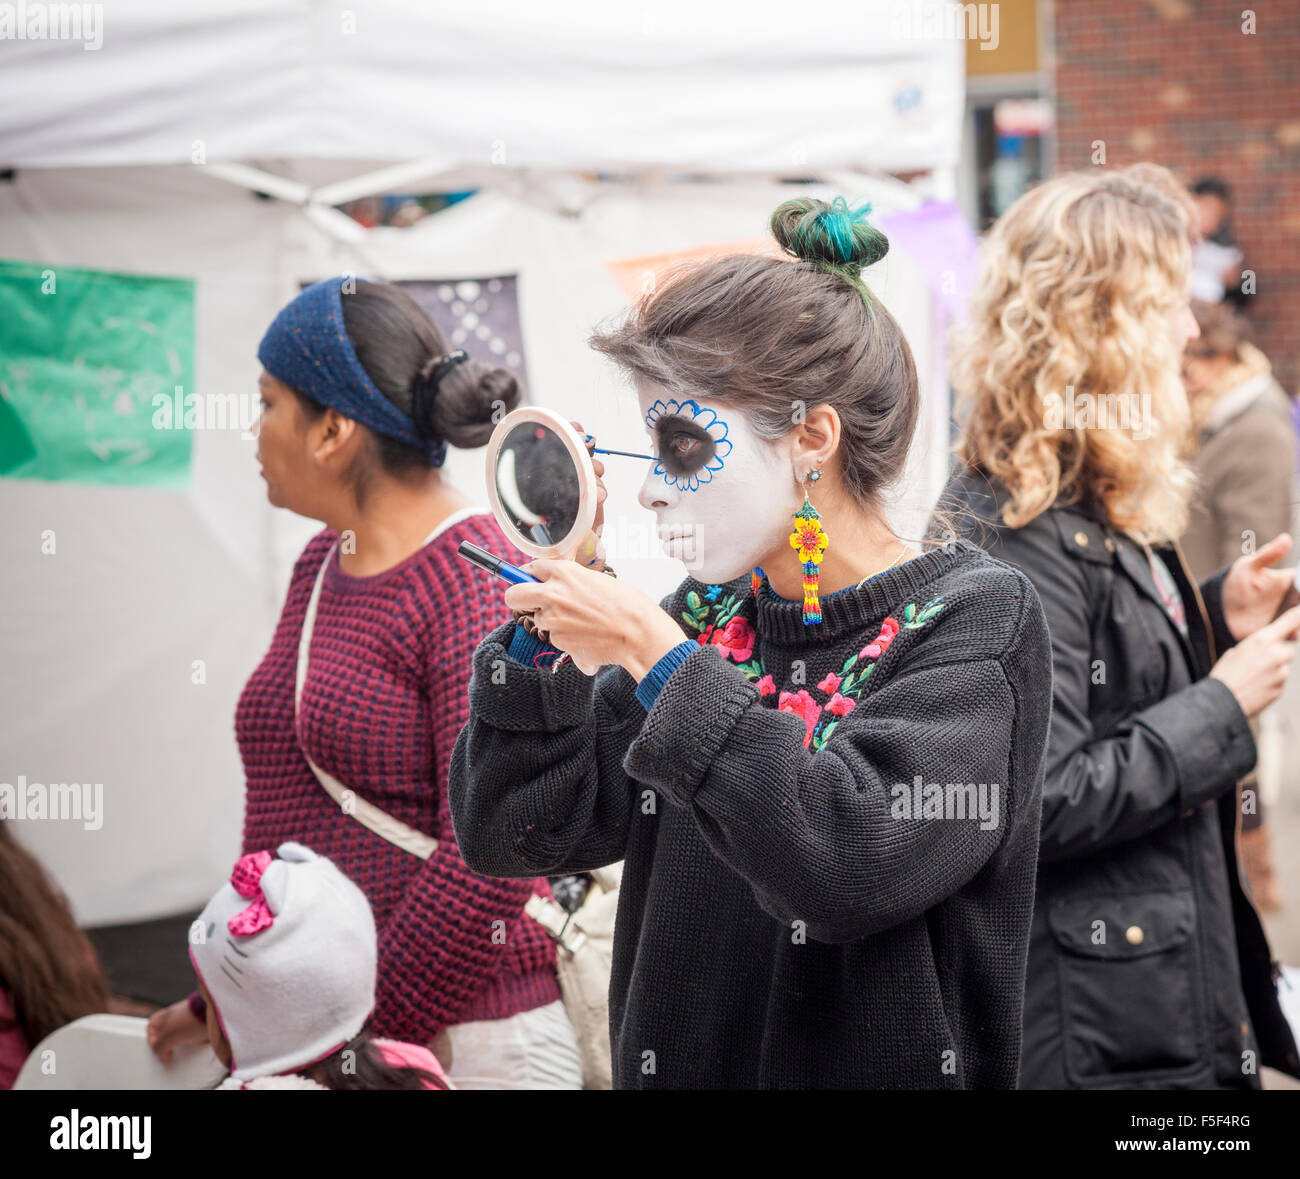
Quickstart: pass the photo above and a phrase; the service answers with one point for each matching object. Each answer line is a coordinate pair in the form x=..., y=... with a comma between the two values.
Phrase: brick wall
x=1178, y=82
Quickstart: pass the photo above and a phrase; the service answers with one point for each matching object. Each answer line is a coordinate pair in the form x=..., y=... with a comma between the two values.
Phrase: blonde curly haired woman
x=1148, y=966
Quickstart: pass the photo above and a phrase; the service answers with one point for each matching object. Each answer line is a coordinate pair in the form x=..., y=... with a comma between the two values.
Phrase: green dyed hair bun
x=835, y=236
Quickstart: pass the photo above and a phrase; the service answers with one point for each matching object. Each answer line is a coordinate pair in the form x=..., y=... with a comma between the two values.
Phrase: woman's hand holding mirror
x=591, y=552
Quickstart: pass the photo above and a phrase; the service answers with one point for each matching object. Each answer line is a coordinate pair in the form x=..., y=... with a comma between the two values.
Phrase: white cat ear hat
x=287, y=950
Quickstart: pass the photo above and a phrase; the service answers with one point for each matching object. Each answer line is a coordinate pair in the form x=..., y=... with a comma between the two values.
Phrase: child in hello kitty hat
x=285, y=954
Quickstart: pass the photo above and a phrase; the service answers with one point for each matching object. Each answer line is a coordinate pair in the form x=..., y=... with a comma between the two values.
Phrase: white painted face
x=724, y=497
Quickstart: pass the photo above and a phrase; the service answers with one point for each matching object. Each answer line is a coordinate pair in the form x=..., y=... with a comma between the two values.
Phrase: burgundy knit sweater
x=386, y=695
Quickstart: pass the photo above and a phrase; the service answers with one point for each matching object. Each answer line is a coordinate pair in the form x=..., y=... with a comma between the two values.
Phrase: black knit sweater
x=796, y=910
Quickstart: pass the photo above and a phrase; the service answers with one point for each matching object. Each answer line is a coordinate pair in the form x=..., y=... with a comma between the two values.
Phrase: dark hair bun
x=834, y=234
x=470, y=400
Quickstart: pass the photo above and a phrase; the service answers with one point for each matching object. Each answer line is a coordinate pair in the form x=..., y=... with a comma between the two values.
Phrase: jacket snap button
x=1081, y=539
x=1110, y=545
x=1134, y=935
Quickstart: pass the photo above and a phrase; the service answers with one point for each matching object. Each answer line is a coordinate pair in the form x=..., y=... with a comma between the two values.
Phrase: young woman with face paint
x=824, y=773
x=362, y=396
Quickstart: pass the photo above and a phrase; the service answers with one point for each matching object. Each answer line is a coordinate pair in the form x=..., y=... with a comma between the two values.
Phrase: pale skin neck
x=394, y=521
x=860, y=544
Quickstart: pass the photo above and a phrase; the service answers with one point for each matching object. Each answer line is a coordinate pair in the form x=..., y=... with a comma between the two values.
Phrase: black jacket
x=1148, y=966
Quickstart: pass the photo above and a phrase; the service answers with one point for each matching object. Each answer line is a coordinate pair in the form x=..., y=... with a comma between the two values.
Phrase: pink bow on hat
x=246, y=878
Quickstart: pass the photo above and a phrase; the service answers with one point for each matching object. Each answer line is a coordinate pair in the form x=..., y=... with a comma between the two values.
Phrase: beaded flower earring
x=810, y=541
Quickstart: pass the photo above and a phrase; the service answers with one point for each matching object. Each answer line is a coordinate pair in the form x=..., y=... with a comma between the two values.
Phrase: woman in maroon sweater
x=360, y=399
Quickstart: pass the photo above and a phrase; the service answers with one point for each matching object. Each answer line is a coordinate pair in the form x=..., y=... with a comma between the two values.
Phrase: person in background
x=285, y=955
x=1216, y=256
x=361, y=397
x=1148, y=965
x=49, y=974
x=1245, y=493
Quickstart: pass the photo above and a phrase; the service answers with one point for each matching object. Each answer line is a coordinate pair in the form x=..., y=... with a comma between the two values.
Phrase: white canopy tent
x=100, y=639
x=727, y=86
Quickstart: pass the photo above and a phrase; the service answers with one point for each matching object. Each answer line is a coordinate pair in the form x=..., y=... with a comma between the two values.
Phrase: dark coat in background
x=1245, y=482
x=1245, y=473
x=1148, y=966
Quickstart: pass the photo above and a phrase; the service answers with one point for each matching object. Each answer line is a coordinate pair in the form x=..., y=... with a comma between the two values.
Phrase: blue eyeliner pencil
x=628, y=453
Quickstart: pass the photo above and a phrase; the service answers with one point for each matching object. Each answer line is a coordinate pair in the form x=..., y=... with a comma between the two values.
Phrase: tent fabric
x=731, y=86
x=100, y=639
x=126, y=649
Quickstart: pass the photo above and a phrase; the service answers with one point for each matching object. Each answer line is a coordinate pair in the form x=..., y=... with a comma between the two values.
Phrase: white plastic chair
x=111, y=1052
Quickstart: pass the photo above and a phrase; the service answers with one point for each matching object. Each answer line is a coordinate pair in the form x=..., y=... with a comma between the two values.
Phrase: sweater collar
x=339, y=582
x=854, y=610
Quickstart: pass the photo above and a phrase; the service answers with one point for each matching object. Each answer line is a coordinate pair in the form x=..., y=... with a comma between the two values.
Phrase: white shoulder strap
x=380, y=822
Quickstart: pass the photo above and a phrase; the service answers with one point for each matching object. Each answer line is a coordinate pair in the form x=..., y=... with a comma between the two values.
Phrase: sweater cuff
x=198, y=1006
x=518, y=697
x=1212, y=594
x=1208, y=738
x=524, y=648
x=648, y=689
x=691, y=719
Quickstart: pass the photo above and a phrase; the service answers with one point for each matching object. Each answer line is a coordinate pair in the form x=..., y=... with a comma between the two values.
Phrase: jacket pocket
x=1130, y=1010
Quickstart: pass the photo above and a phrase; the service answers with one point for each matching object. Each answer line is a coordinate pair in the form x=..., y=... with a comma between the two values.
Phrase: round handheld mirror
x=541, y=482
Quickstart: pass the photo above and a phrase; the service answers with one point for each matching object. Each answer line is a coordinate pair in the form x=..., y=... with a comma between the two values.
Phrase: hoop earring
x=810, y=541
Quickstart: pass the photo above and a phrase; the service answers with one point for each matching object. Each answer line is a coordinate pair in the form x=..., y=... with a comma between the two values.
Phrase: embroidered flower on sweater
x=730, y=632
x=736, y=641
x=839, y=705
x=802, y=705
x=734, y=636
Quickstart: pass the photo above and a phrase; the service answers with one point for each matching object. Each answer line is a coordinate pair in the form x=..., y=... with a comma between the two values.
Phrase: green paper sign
x=83, y=355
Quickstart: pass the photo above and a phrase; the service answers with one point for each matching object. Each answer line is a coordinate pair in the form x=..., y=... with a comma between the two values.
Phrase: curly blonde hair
x=1070, y=367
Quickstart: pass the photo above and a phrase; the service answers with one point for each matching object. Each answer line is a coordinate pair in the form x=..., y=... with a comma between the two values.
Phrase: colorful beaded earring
x=810, y=541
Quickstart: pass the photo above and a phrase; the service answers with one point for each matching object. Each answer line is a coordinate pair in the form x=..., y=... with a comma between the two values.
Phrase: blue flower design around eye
x=705, y=421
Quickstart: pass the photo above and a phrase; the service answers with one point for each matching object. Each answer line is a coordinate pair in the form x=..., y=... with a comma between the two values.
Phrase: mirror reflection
x=538, y=484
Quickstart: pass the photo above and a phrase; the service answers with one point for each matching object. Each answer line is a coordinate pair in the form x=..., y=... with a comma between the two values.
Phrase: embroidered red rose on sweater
x=802, y=705
x=735, y=640
x=880, y=644
x=839, y=705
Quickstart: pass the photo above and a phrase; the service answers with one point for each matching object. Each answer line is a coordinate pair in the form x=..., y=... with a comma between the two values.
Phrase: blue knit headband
x=307, y=347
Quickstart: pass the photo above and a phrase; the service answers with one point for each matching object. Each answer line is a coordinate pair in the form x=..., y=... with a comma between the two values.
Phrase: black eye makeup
x=684, y=447
x=691, y=441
